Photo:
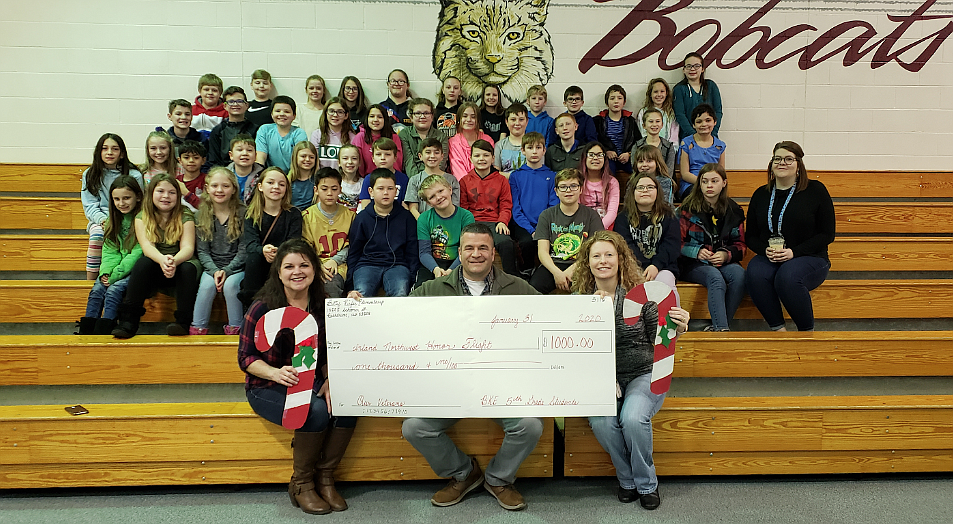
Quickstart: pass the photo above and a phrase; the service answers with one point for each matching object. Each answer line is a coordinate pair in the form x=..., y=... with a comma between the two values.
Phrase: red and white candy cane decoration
x=304, y=360
x=665, y=297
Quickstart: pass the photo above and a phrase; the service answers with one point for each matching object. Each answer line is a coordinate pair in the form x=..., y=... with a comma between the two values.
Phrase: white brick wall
x=74, y=70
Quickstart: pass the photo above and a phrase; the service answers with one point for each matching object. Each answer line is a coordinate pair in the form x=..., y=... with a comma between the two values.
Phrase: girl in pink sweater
x=468, y=132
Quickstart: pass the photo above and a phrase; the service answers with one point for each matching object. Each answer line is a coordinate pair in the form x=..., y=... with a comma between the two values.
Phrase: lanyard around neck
x=783, y=209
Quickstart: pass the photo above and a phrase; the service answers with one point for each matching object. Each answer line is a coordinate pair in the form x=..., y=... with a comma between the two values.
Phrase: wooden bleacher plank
x=64, y=178
x=43, y=252
x=152, y=444
x=852, y=217
x=785, y=435
x=68, y=253
x=891, y=217
x=41, y=213
x=50, y=178
x=851, y=184
x=63, y=300
x=90, y=360
x=818, y=354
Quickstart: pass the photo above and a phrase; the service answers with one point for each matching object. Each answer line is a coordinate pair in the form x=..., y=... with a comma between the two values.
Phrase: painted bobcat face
x=494, y=42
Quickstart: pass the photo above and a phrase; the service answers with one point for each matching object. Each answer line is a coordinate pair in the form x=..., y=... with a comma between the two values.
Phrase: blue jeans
x=396, y=280
x=106, y=299
x=789, y=283
x=269, y=404
x=726, y=288
x=206, y=295
x=628, y=437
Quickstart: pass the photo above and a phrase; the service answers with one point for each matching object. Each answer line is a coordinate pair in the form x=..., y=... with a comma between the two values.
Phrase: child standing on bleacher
x=274, y=142
x=259, y=109
x=159, y=156
x=180, y=114
x=192, y=157
x=218, y=226
x=109, y=161
x=377, y=126
x=120, y=252
x=208, y=110
x=303, y=165
x=166, y=231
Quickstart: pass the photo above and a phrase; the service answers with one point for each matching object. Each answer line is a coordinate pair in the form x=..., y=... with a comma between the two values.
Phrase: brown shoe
x=457, y=489
x=306, y=448
x=334, y=447
x=507, y=496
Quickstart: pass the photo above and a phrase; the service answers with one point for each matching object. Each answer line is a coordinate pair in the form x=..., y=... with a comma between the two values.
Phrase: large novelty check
x=472, y=357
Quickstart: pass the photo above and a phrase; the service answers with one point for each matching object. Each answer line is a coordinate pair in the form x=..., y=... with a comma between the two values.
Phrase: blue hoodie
x=533, y=191
x=382, y=241
x=542, y=124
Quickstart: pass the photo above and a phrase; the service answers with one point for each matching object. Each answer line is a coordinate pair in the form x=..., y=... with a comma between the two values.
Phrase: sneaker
x=232, y=330
x=457, y=489
x=650, y=500
x=176, y=330
x=507, y=496
x=197, y=331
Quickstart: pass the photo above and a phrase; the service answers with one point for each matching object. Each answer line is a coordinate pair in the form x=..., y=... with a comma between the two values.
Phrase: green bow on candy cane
x=305, y=357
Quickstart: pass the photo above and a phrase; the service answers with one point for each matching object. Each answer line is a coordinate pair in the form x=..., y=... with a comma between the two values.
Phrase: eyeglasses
x=642, y=189
x=422, y=114
x=567, y=189
x=595, y=154
x=351, y=89
x=337, y=112
x=692, y=67
x=786, y=161
x=574, y=99
x=235, y=102
x=398, y=82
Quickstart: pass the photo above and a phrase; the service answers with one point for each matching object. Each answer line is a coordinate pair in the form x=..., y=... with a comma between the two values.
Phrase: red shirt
x=489, y=199
x=195, y=187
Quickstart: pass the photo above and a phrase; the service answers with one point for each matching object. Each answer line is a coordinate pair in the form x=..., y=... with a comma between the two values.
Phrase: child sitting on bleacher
x=431, y=152
x=269, y=221
x=218, y=226
x=166, y=231
x=120, y=252
x=439, y=229
x=325, y=225
x=349, y=165
x=159, y=156
x=699, y=149
x=334, y=130
x=109, y=161
x=192, y=157
x=274, y=142
x=304, y=160
x=242, y=153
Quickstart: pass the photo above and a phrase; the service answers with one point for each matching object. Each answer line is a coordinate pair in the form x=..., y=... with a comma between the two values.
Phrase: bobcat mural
x=496, y=42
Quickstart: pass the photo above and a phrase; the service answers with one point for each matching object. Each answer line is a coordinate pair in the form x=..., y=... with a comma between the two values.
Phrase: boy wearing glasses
x=421, y=111
x=585, y=127
x=236, y=124
x=560, y=233
x=532, y=189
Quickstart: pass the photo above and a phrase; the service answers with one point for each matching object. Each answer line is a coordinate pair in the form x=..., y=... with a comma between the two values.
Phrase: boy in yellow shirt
x=325, y=226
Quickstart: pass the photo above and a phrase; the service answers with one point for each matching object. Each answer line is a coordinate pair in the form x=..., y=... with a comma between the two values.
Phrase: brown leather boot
x=334, y=448
x=306, y=448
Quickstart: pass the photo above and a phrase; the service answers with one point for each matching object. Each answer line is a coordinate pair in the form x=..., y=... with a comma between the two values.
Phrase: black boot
x=128, y=322
x=85, y=326
x=104, y=326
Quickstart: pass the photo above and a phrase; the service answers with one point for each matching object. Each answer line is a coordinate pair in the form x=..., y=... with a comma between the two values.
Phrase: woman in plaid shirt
x=320, y=443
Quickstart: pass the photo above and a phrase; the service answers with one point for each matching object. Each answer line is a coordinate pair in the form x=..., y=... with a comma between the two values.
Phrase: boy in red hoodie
x=617, y=129
x=486, y=193
x=208, y=110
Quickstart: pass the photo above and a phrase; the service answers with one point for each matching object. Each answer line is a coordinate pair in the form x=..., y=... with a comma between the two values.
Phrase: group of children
x=382, y=191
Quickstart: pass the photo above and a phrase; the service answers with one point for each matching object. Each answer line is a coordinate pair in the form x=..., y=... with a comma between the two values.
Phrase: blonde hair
x=150, y=215
x=536, y=90
x=630, y=274
x=257, y=205
x=204, y=219
x=429, y=182
x=171, y=163
x=293, y=170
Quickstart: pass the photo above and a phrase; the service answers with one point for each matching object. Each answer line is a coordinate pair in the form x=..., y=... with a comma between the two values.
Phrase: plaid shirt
x=280, y=354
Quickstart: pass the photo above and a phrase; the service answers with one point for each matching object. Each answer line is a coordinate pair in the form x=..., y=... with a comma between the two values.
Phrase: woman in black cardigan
x=790, y=224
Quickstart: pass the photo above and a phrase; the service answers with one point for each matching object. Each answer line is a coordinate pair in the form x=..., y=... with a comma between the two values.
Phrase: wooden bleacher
x=206, y=442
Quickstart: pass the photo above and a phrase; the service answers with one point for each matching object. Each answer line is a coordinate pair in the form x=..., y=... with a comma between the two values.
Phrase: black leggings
x=527, y=246
x=146, y=279
x=256, y=273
